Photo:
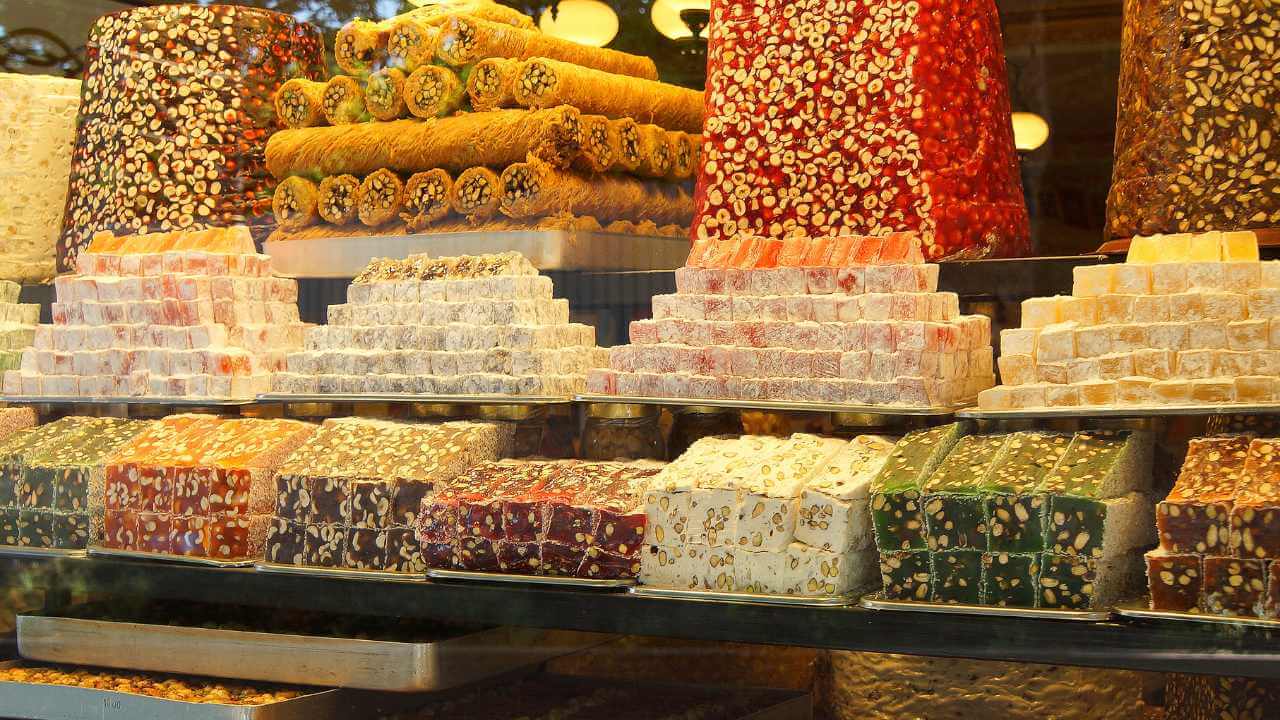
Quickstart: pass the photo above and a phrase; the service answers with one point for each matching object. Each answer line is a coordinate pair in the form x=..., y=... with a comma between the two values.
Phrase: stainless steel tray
x=34, y=701
x=338, y=573
x=345, y=257
x=95, y=551
x=1144, y=613
x=773, y=405
x=296, y=659
x=131, y=400
x=12, y=551
x=488, y=577
x=875, y=602
x=1120, y=411
x=410, y=398
x=736, y=597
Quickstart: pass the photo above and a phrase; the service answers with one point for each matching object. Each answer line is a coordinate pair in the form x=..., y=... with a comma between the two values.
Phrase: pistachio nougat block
x=954, y=500
x=1015, y=507
x=1196, y=516
x=1093, y=509
x=833, y=506
x=906, y=574
x=770, y=503
x=1073, y=582
x=1011, y=579
x=896, y=492
x=957, y=576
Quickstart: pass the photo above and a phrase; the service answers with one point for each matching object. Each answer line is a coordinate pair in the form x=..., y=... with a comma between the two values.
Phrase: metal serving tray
x=737, y=597
x=1144, y=613
x=35, y=553
x=773, y=405
x=338, y=573
x=34, y=701
x=345, y=257
x=131, y=400
x=95, y=551
x=410, y=398
x=875, y=602
x=296, y=659
x=582, y=583
x=1120, y=411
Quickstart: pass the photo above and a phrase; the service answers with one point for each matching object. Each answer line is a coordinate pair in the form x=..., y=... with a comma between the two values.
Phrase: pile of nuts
x=165, y=687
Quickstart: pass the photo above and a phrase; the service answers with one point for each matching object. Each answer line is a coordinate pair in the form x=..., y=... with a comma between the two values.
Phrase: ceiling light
x=1030, y=131
x=589, y=22
x=666, y=16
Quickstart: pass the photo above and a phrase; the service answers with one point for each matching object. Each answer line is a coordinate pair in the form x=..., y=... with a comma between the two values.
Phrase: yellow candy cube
x=1205, y=247
x=1241, y=245
x=1091, y=280
x=1144, y=250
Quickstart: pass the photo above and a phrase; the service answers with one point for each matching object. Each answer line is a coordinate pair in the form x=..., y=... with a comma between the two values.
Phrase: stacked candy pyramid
x=1187, y=320
x=470, y=325
x=854, y=320
x=17, y=325
x=177, y=315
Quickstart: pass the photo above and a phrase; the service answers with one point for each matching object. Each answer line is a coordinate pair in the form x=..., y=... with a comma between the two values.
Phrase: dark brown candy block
x=153, y=532
x=407, y=502
x=570, y=525
x=1176, y=582
x=477, y=554
x=1271, y=608
x=519, y=558
x=121, y=487
x=293, y=499
x=330, y=500
x=404, y=554
x=438, y=520
x=480, y=518
x=620, y=533
x=229, y=491
x=600, y=564
x=154, y=489
x=442, y=556
x=371, y=504
x=366, y=549
x=120, y=529
x=71, y=531
x=71, y=489
x=1192, y=526
x=1234, y=587
x=189, y=536
x=35, y=488
x=9, y=524
x=561, y=560
x=324, y=545
x=1255, y=530
x=189, y=489
x=36, y=528
x=286, y=542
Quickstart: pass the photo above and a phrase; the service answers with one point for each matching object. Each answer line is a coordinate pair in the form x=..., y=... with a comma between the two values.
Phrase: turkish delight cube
x=371, y=504
x=764, y=523
x=519, y=558
x=153, y=532
x=1011, y=579
x=957, y=577
x=906, y=574
x=1255, y=528
x=1092, y=280
x=330, y=500
x=1176, y=581
x=293, y=498
x=71, y=531
x=325, y=544
x=599, y=564
x=403, y=553
x=285, y=545
x=561, y=560
x=365, y=549
x=1234, y=587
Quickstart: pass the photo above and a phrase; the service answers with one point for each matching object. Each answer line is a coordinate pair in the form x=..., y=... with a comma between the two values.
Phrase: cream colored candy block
x=1115, y=308
x=1242, y=277
x=1056, y=343
x=750, y=570
x=1062, y=396
x=1171, y=392
x=1128, y=337
x=1131, y=279
x=1091, y=280
x=996, y=398
x=1186, y=306
x=669, y=566
x=1168, y=278
x=712, y=515
x=1027, y=396
x=1151, y=309
x=765, y=523
x=1093, y=341
x=1224, y=306
x=1083, y=369
x=1017, y=369
x=1194, y=364
x=831, y=523
x=718, y=572
x=666, y=517
x=1270, y=274
x=1081, y=310
x=1241, y=245
x=1207, y=276
x=807, y=571
x=1097, y=392
x=1248, y=335
x=1134, y=390
x=1167, y=336
x=1257, y=388
x=1175, y=248
x=1055, y=373
x=1264, y=303
x=1039, y=312
x=1206, y=335
x=1232, y=363
x=1274, y=334
x=1143, y=250
x=1018, y=341
x=1205, y=247
x=1266, y=362
x=1155, y=364
x=1213, y=390
x=1115, y=366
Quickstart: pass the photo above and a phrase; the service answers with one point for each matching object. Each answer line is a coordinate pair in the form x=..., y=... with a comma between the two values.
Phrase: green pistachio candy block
x=1015, y=510
x=1011, y=579
x=1102, y=464
x=10, y=359
x=1071, y=582
x=896, y=490
x=957, y=577
x=954, y=506
x=905, y=574
x=1099, y=528
x=9, y=524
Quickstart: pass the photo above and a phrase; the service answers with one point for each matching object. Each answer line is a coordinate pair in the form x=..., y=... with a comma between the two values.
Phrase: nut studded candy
x=957, y=577
x=896, y=493
x=1070, y=582
x=833, y=507
x=954, y=506
x=1234, y=587
x=1015, y=508
x=1011, y=579
x=905, y=574
x=1088, y=512
x=176, y=105
x=912, y=136
x=1176, y=582
x=1197, y=512
x=1255, y=519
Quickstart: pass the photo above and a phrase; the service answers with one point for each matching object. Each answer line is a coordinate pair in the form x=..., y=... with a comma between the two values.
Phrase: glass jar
x=698, y=421
x=616, y=431
x=528, y=423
